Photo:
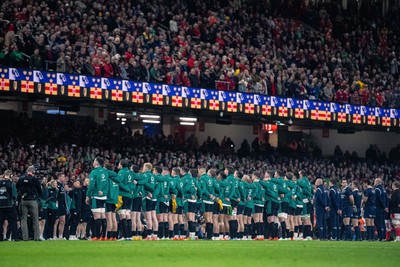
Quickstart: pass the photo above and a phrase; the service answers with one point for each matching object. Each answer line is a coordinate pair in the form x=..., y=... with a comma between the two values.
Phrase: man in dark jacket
x=8, y=196
x=29, y=189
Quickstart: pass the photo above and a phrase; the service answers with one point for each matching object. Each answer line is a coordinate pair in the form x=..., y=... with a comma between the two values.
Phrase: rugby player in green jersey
x=126, y=188
x=248, y=199
x=308, y=194
x=175, y=216
x=259, y=206
x=189, y=199
x=163, y=200
x=136, y=208
x=150, y=201
x=284, y=205
x=272, y=207
x=112, y=200
x=97, y=194
x=207, y=196
x=291, y=195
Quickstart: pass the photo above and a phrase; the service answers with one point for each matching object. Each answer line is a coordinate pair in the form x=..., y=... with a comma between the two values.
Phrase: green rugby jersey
x=98, y=183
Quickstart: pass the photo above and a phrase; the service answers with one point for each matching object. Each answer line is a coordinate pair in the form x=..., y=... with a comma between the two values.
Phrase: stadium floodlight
x=270, y=132
x=123, y=119
x=123, y=123
x=119, y=114
x=187, y=123
x=144, y=116
x=151, y=121
x=188, y=119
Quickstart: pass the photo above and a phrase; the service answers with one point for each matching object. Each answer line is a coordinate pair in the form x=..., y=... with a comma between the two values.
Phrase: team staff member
x=381, y=208
x=334, y=208
x=321, y=207
x=347, y=203
x=8, y=196
x=52, y=209
x=62, y=206
x=30, y=190
x=86, y=216
x=395, y=209
x=97, y=194
x=76, y=208
x=43, y=214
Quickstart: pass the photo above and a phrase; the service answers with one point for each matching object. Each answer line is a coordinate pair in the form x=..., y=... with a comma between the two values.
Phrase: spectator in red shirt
x=108, y=70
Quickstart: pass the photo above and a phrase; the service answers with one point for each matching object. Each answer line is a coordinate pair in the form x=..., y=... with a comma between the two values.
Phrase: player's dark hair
x=109, y=166
x=135, y=168
x=223, y=175
x=239, y=174
x=280, y=173
x=367, y=181
x=230, y=170
x=194, y=173
x=213, y=172
x=158, y=169
x=165, y=169
x=270, y=173
x=100, y=160
x=175, y=170
x=289, y=175
x=302, y=173
x=257, y=174
x=124, y=163
x=185, y=170
x=334, y=180
x=356, y=183
x=396, y=184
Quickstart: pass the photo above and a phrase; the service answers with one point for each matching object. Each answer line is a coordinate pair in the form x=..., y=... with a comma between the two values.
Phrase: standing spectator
x=8, y=196
x=61, y=63
x=36, y=60
x=108, y=70
x=30, y=190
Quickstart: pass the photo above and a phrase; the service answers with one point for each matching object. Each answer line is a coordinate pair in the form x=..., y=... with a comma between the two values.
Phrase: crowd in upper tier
x=327, y=53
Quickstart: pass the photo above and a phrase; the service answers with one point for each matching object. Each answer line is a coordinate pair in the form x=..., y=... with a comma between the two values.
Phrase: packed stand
x=203, y=187
x=228, y=45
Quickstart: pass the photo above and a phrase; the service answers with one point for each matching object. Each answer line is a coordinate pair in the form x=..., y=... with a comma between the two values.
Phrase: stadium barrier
x=54, y=84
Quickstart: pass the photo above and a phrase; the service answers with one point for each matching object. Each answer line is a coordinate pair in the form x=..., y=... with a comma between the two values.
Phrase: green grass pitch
x=198, y=253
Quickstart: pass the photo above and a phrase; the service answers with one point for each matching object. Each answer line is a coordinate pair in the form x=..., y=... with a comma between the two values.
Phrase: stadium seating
x=236, y=47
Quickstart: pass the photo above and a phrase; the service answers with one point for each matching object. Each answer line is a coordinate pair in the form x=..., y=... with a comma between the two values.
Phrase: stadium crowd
x=228, y=45
x=258, y=192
